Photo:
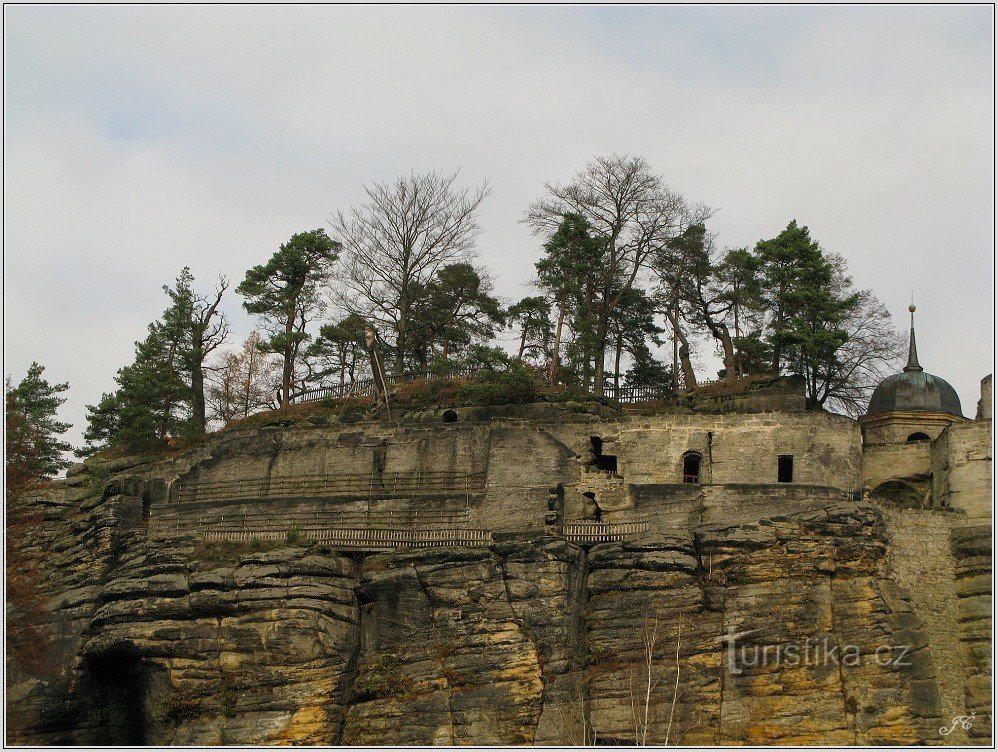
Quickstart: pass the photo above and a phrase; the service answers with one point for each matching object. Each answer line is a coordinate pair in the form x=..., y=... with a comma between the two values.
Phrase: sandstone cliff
x=174, y=639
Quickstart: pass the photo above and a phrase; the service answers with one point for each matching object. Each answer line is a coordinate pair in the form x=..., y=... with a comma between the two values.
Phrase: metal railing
x=602, y=532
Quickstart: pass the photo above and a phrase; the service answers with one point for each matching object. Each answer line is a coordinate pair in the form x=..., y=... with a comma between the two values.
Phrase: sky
x=141, y=139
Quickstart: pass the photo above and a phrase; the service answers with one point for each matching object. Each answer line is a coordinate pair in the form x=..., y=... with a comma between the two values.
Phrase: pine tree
x=568, y=273
x=40, y=402
x=152, y=399
x=533, y=316
x=453, y=311
x=338, y=350
x=28, y=642
x=284, y=292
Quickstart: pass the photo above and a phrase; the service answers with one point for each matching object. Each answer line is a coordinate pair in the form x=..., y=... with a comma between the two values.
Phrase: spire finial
x=912, y=350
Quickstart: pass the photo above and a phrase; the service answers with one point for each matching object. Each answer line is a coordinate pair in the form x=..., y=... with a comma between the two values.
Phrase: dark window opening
x=450, y=416
x=691, y=467
x=917, y=437
x=785, y=469
x=607, y=462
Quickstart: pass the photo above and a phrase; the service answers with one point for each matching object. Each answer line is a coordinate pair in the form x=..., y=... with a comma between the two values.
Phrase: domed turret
x=913, y=389
x=912, y=405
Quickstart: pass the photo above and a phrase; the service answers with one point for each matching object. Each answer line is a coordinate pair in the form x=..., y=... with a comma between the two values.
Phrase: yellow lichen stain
x=309, y=725
x=228, y=662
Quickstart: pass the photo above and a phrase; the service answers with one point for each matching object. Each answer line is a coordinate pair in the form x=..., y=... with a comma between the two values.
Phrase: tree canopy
x=627, y=267
x=285, y=294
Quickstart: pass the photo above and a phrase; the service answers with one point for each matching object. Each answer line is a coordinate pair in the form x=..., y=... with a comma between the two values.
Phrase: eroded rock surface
x=533, y=640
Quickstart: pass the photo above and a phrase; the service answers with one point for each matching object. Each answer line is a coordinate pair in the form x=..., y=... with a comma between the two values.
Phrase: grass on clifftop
x=512, y=386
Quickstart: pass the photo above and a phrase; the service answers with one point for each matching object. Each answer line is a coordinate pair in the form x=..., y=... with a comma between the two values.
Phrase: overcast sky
x=142, y=139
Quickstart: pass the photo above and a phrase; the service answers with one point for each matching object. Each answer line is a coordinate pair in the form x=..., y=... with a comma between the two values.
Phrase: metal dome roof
x=914, y=389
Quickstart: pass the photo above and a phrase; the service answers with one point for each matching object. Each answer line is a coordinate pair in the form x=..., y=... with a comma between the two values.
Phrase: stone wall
x=985, y=408
x=522, y=461
x=921, y=561
x=170, y=639
x=961, y=469
x=531, y=640
x=884, y=462
x=896, y=427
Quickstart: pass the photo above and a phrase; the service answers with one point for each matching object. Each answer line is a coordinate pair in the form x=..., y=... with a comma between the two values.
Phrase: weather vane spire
x=912, y=350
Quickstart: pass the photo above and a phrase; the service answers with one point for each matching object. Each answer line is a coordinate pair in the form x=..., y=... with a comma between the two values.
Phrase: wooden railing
x=600, y=532
x=360, y=538
x=170, y=519
x=352, y=485
x=366, y=387
x=631, y=394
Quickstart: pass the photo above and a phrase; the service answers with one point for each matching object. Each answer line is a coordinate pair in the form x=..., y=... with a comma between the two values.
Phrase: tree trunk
x=523, y=342
x=738, y=337
x=289, y=362
x=250, y=365
x=200, y=409
x=675, y=351
x=777, y=347
x=168, y=402
x=689, y=376
x=600, y=356
x=556, y=352
x=402, y=334
x=616, y=364
x=719, y=331
x=729, y=354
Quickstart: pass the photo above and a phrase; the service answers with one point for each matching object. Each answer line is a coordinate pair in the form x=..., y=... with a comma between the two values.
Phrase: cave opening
x=123, y=693
x=606, y=462
x=118, y=698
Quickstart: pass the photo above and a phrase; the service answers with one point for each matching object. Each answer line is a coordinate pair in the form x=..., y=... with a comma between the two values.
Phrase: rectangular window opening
x=785, y=468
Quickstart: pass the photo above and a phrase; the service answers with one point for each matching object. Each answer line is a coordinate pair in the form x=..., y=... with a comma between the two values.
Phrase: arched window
x=691, y=467
x=917, y=437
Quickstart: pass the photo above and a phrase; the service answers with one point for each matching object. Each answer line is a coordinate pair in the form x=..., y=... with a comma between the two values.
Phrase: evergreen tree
x=631, y=329
x=28, y=641
x=568, y=273
x=152, y=401
x=338, y=349
x=197, y=328
x=738, y=274
x=791, y=265
x=533, y=316
x=39, y=400
x=284, y=293
x=455, y=309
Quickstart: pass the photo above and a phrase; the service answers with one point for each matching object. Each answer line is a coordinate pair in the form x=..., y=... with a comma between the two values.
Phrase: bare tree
x=647, y=682
x=209, y=328
x=632, y=214
x=871, y=352
x=395, y=243
x=241, y=382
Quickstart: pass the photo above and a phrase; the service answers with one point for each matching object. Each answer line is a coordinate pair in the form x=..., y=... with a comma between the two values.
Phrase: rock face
x=743, y=615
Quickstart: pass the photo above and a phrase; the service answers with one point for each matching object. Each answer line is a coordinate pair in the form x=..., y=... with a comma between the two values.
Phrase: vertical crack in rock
x=521, y=623
x=849, y=715
x=439, y=658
